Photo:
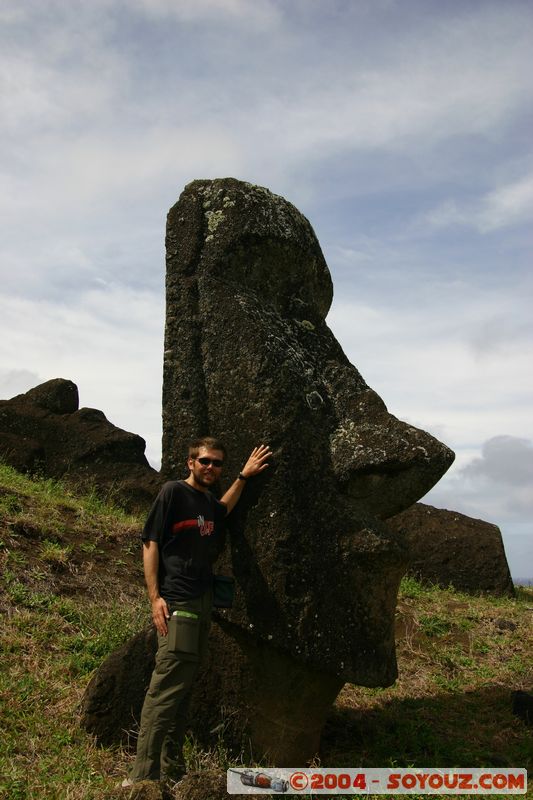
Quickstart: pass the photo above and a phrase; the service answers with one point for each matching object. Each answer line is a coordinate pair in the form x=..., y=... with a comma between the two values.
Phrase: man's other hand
x=160, y=615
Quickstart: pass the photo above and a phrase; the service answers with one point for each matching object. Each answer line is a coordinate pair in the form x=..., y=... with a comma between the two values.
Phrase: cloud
x=497, y=485
x=94, y=170
x=287, y=93
x=58, y=72
x=242, y=12
x=509, y=204
x=17, y=381
x=518, y=541
x=364, y=114
x=461, y=76
x=504, y=331
x=110, y=108
x=447, y=355
x=504, y=460
x=109, y=341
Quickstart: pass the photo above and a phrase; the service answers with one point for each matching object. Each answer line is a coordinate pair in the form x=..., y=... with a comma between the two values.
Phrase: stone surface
x=58, y=395
x=450, y=548
x=274, y=687
x=249, y=358
x=265, y=697
x=44, y=431
x=112, y=703
x=523, y=706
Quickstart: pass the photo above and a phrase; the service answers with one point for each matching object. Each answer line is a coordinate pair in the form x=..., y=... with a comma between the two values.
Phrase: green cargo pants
x=164, y=713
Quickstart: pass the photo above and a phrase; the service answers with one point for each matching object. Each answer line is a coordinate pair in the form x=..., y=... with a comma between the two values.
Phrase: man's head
x=206, y=442
x=205, y=460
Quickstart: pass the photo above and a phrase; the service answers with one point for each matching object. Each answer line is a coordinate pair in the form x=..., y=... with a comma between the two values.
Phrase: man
x=183, y=525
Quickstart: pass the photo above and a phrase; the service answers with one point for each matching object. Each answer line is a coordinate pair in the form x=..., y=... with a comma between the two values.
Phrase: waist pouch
x=184, y=634
x=223, y=591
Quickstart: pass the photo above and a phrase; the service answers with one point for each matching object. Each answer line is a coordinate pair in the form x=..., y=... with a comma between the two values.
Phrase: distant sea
x=523, y=581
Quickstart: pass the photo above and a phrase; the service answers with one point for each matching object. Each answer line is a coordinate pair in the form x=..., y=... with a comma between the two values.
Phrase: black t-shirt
x=187, y=525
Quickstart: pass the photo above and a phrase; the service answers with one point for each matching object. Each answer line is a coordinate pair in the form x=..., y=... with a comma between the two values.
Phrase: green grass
x=72, y=592
x=451, y=705
x=54, y=553
x=62, y=613
x=20, y=490
x=48, y=653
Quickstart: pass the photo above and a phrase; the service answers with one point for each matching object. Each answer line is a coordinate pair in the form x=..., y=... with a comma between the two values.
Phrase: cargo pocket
x=184, y=634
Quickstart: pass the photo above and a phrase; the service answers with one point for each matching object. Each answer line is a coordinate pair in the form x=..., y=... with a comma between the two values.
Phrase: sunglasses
x=206, y=462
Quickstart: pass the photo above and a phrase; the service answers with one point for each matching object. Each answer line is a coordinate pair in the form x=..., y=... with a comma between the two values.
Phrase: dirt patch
x=65, y=551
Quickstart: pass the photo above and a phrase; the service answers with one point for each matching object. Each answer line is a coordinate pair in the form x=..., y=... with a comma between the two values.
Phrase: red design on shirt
x=206, y=527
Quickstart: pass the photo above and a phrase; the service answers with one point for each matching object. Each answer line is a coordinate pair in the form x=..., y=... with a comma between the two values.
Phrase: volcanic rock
x=45, y=431
x=523, y=706
x=249, y=358
x=449, y=548
x=112, y=703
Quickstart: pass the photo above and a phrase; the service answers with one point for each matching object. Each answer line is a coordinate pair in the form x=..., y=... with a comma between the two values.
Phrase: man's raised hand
x=257, y=461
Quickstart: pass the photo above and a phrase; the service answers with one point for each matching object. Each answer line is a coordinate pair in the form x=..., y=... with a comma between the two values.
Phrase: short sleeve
x=156, y=521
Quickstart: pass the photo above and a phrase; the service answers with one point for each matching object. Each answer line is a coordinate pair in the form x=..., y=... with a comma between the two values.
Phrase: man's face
x=206, y=467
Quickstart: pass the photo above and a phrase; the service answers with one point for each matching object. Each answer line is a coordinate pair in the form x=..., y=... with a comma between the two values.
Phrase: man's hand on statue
x=160, y=614
x=257, y=461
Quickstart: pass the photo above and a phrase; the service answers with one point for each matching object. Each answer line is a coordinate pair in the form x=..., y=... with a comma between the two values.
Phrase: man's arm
x=255, y=464
x=160, y=612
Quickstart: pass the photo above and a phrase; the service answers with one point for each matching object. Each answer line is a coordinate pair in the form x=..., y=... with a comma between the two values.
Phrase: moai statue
x=249, y=359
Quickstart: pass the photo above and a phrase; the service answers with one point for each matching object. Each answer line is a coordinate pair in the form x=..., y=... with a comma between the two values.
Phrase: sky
x=400, y=128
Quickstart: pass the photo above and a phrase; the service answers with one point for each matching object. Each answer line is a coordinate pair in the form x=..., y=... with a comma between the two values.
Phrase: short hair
x=209, y=442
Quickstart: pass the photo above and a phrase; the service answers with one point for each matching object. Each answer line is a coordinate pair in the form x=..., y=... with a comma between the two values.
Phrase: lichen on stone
x=305, y=324
x=214, y=218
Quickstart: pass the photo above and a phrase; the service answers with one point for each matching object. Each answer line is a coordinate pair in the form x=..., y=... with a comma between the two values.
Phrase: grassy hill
x=72, y=591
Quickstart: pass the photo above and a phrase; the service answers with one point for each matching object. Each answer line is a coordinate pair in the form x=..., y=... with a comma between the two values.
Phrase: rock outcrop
x=450, y=548
x=45, y=431
x=523, y=706
x=249, y=358
x=112, y=704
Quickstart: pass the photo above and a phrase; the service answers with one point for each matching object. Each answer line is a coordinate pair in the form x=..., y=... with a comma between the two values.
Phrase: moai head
x=249, y=358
